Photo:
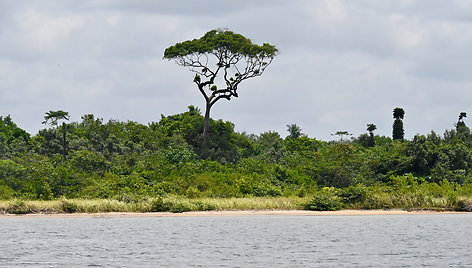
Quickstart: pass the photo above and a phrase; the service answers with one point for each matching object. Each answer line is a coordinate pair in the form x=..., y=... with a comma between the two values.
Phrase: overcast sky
x=342, y=64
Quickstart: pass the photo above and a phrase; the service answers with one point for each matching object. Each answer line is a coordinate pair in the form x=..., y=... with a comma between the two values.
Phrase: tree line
x=123, y=160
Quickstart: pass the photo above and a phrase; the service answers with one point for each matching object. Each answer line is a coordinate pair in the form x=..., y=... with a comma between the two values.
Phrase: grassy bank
x=166, y=204
x=402, y=192
x=325, y=200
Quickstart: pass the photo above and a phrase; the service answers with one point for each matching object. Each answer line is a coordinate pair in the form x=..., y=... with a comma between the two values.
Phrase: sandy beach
x=237, y=213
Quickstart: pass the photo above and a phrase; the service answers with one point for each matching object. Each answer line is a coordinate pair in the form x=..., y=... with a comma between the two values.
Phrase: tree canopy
x=215, y=41
x=371, y=128
x=398, y=113
x=53, y=116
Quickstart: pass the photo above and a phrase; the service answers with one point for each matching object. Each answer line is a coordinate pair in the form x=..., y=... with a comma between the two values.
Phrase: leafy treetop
x=10, y=131
x=216, y=40
x=371, y=127
x=54, y=116
x=398, y=113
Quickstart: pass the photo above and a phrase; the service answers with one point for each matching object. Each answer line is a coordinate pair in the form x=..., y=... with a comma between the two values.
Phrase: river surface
x=238, y=241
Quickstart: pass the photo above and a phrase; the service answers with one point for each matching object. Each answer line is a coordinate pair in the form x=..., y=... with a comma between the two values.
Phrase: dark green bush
x=266, y=189
x=68, y=207
x=353, y=194
x=202, y=206
x=463, y=205
x=158, y=205
x=324, y=202
x=179, y=207
x=175, y=206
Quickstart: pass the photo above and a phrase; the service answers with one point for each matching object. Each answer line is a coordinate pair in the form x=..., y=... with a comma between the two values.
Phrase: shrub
x=353, y=194
x=18, y=207
x=324, y=202
x=464, y=205
x=179, y=207
x=170, y=205
x=68, y=207
x=204, y=206
x=266, y=189
x=302, y=192
x=192, y=192
x=158, y=205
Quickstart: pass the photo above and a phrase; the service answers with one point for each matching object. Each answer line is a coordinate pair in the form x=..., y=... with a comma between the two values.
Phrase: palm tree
x=371, y=128
x=52, y=117
x=294, y=131
x=398, y=113
x=398, y=132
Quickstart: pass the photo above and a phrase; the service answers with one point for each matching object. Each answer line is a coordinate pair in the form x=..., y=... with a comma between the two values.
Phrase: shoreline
x=231, y=213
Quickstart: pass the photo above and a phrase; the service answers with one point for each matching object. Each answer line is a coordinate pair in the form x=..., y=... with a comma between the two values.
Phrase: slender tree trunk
x=206, y=125
x=64, y=148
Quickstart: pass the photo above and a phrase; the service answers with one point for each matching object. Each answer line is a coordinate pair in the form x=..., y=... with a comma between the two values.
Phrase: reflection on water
x=243, y=241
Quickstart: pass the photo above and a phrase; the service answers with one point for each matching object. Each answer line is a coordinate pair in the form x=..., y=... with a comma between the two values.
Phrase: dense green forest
x=129, y=162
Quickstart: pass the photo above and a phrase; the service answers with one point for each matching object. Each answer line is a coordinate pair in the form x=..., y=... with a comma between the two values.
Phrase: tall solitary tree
x=398, y=133
x=52, y=117
x=462, y=130
x=461, y=122
x=371, y=128
x=221, y=60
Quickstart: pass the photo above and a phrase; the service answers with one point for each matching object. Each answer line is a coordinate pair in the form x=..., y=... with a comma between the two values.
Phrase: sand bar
x=237, y=213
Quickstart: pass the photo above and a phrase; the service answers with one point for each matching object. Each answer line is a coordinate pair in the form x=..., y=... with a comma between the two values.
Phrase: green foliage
x=269, y=146
x=324, y=200
x=18, y=207
x=53, y=116
x=398, y=133
x=217, y=39
x=13, y=139
x=294, y=131
x=179, y=205
x=88, y=161
x=6, y=193
x=353, y=194
x=189, y=125
x=365, y=140
x=164, y=167
x=68, y=207
x=398, y=113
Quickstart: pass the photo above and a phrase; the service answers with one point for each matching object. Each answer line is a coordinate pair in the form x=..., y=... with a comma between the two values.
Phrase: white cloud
x=41, y=31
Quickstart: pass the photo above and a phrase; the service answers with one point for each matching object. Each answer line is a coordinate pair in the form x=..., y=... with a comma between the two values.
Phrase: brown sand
x=237, y=213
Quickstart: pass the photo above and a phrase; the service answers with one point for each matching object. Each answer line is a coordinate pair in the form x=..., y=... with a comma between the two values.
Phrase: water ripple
x=255, y=241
